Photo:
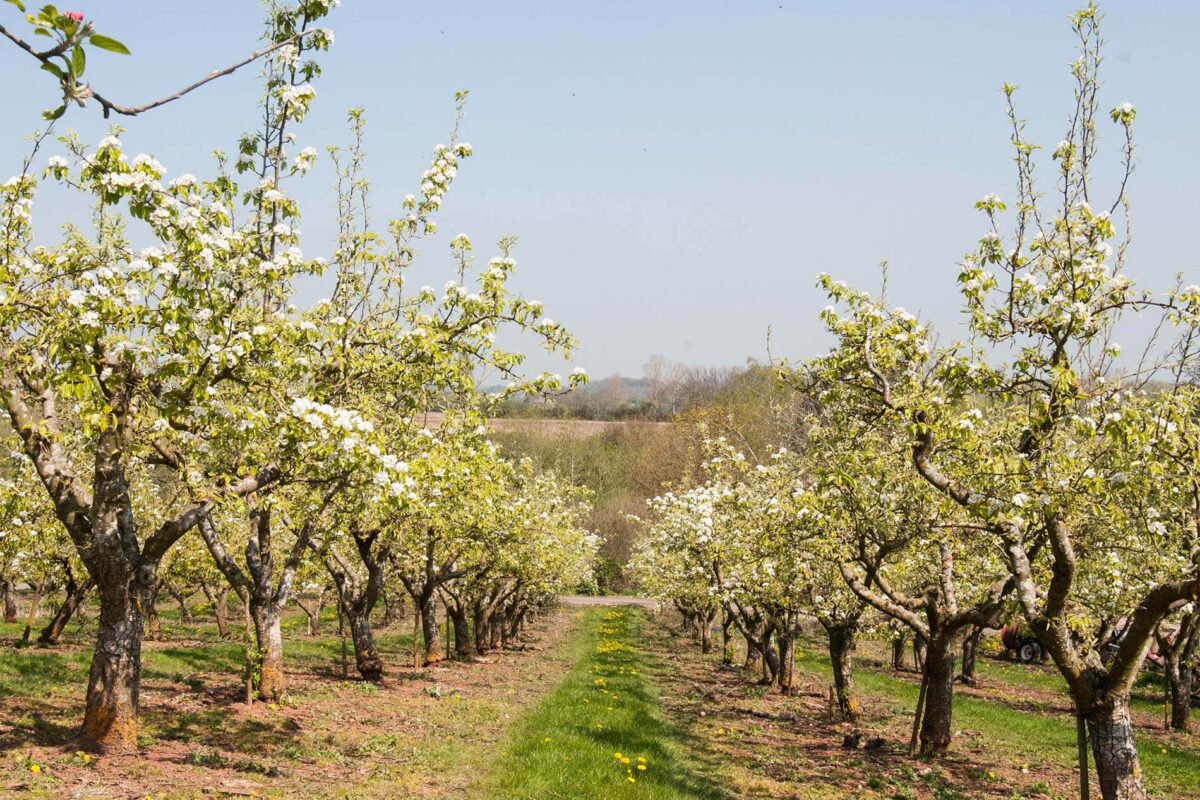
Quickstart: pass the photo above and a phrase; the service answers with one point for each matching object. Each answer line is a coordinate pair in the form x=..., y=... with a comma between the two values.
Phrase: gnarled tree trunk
x=705, y=620
x=76, y=594
x=785, y=643
x=271, y=679
x=357, y=596
x=970, y=649
x=7, y=588
x=111, y=715
x=1179, y=689
x=217, y=599
x=366, y=654
x=479, y=618
x=430, y=634
x=842, y=640
x=185, y=613
x=1114, y=750
x=936, y=726
x=464, y=645
x=1178, y=652
x=726, y=642
x=899, y=649
x=153, y=623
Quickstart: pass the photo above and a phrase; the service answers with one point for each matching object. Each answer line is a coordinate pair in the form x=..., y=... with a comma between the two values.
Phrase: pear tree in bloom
x=541, y=549
x=768, y=527
x=755, y=539
x=1034, y=469
x=906, y=552
x=819, y=585
x=1157, y=502
x=33, y=550
x=129, y=345
x=682, y=558
x=464, y=484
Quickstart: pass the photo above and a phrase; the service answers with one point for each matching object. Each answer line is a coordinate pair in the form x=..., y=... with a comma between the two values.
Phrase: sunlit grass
x=1020, y=737
x=600, y=734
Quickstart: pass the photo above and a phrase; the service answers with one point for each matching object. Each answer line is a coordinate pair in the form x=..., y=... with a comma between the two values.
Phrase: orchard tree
x=1035, y=470
x=904, y=552
x=126, y=345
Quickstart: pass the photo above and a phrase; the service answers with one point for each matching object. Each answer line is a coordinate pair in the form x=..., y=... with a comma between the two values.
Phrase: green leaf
x=20, y=6
x=54, y=70
x=105, y=43
x=78, y=61
x=55, y=114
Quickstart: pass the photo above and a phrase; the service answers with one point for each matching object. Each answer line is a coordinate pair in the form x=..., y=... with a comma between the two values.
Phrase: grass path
x=600, y=733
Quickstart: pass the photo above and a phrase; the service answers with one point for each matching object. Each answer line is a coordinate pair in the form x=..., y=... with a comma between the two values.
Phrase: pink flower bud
x=74, y=16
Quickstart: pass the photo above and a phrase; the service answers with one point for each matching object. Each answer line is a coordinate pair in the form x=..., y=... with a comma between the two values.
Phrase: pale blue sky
x=678, y=172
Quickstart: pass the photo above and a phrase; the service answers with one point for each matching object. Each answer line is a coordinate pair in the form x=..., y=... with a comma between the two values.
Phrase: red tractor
x=1020, y=644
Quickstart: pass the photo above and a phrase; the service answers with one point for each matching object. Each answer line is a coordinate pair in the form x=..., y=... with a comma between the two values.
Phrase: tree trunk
x=429, y=632
x=76, y=594
x=464, y=646
x=936, y=730
x=393, y=608
x=899, y=648
x=220, y=609
x=479, y=622
x=918, y=648
x=516, y=623
x=1114, y=750
x=786, y=646
x=312, y=613
x=841, y=655
x=770, y=658
x=185, y=613
x=969, y=650
x=495, y=630
x=705, y=618
x=152, y=621
x=753, y=653
x=10, y=599
x=272, y=682
x=726, y=643
x=366, y=654
x=1179, y=688
x=110, y=719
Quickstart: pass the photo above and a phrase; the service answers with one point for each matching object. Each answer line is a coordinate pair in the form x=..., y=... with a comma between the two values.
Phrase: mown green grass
x=567, y=747
x=1022, y=737
x=46, y=672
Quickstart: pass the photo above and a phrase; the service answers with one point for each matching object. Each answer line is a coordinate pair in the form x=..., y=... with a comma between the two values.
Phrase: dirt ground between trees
x=766, y=745
x=422, y=734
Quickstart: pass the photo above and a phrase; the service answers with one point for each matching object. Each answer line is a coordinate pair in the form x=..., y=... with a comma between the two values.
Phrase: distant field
x=570, y=428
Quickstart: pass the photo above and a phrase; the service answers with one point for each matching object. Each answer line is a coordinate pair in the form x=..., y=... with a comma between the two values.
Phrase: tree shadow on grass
x=35, y=728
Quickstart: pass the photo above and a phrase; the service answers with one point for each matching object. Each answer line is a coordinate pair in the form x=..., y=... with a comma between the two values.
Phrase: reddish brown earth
x=786, y=748
x=422, y=734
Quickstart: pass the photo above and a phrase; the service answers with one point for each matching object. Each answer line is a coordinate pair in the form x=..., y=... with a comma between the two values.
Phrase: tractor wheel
x=1029, y=652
